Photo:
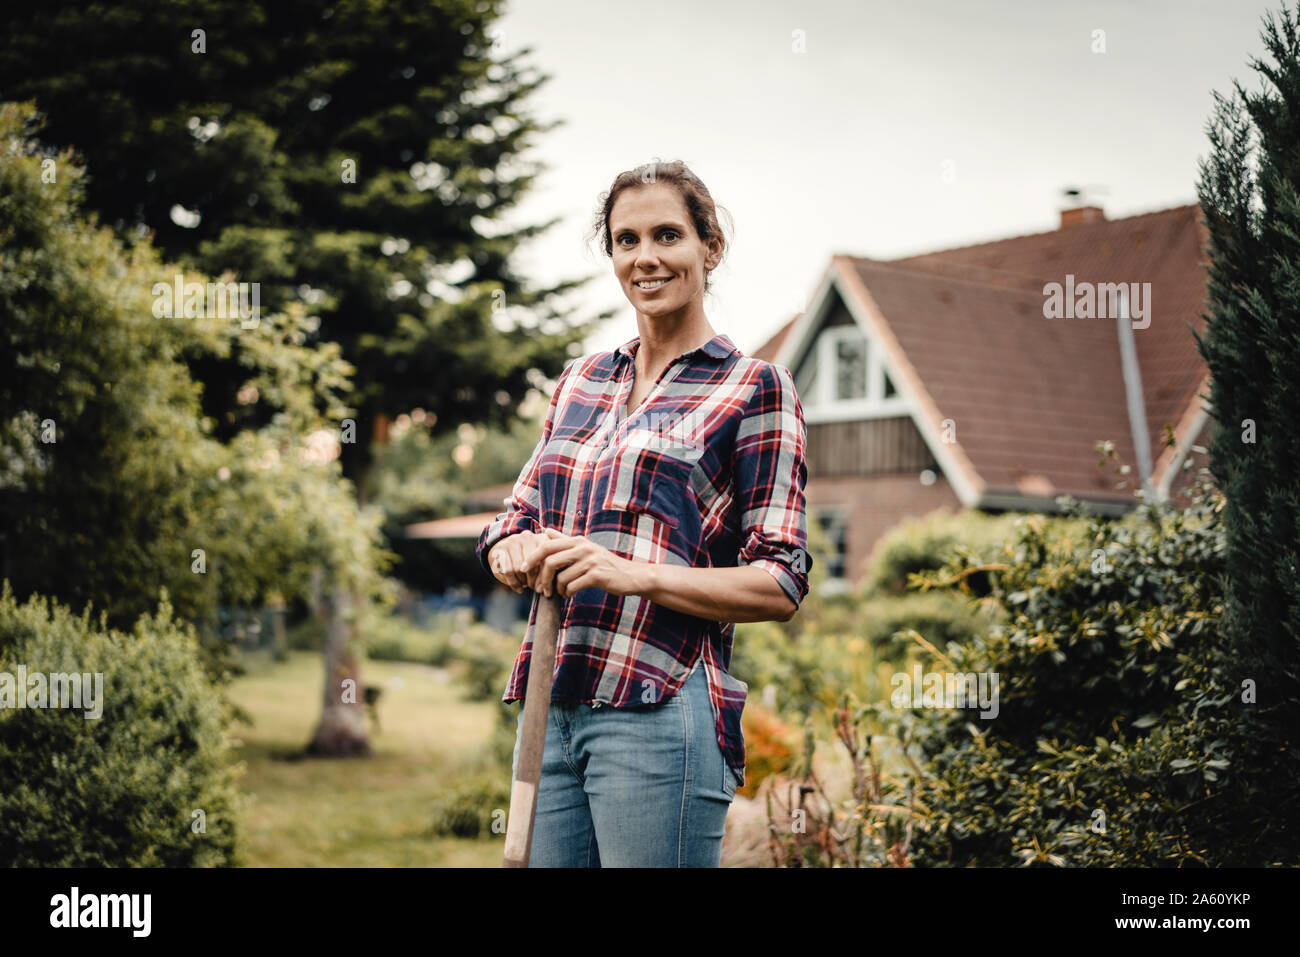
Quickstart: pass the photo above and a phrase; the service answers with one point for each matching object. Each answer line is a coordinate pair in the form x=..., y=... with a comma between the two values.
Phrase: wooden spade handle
x=528, y=767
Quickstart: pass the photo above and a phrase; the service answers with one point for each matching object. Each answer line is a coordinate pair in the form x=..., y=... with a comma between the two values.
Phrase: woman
x=663, y=503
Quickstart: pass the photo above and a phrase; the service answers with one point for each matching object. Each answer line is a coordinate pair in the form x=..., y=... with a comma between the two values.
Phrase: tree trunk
x=279, y=641
x=342, y=728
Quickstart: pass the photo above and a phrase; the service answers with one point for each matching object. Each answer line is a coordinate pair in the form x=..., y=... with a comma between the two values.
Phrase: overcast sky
x=844, y=148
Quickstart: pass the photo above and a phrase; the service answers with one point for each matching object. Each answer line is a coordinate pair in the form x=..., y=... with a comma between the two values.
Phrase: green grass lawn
x=362, y=812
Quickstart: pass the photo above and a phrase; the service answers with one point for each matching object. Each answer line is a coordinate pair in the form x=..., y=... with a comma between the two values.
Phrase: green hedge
x=119, y=790
x=885, y=620
x=925, y=544
x=853, y=642
x=1122, y=737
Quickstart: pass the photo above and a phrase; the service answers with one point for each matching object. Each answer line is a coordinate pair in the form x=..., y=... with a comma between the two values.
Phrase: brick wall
x=874, y=505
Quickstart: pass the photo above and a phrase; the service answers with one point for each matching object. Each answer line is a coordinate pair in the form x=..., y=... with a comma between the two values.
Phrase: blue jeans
x=637, y=787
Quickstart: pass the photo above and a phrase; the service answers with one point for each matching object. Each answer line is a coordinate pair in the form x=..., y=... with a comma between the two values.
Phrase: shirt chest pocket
x=650, y=481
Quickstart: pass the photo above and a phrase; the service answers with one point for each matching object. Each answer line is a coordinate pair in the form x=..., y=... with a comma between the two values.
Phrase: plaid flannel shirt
x=708, y=471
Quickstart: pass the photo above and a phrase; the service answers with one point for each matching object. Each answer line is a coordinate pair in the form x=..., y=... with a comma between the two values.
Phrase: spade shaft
x=532, y=741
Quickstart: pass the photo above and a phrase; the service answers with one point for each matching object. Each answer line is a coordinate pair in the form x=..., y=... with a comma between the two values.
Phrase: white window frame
x=821, y=405
x=835, y=584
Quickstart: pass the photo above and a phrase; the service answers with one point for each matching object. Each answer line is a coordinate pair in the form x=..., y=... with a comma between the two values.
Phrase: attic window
x=851, y=367
x=842, y=376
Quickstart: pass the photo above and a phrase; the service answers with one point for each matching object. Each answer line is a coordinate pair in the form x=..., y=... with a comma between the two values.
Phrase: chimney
x=1078, y=215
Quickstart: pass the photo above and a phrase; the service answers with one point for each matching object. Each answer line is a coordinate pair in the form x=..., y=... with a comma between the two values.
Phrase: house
x=941, y=381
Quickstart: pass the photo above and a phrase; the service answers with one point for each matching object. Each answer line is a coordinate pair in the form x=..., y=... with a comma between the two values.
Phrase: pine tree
x=353, y=156
x=1249, y=191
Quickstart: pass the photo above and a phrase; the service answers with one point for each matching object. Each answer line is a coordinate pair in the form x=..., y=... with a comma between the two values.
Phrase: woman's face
x=654, y=239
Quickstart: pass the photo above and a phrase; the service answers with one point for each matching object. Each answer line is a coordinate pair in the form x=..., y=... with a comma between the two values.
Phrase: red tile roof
x=767, y=351
x=1032, y=396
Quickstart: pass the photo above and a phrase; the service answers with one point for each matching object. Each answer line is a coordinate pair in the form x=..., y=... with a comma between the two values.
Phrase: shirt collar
x=719, y=347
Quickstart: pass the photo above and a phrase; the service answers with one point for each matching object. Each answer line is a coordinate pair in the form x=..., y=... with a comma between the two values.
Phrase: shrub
x=868, y=823
x=846, y=649
x=467, y=809
x=489, y=655
x=395, y=638
x=925, y=544
x=886, y=620
x=122, y=789
x=771, y=746
x=1122, y=737
x=802, y=669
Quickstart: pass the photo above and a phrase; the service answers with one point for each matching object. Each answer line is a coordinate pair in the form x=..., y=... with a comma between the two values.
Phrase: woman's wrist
x=647, y=579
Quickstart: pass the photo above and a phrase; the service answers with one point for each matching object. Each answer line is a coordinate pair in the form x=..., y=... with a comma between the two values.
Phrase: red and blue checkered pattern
x=708, y=471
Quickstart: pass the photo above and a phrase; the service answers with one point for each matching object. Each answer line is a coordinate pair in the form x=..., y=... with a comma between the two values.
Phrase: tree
x=112, y=483
x=354, y=157
x=1249, y=190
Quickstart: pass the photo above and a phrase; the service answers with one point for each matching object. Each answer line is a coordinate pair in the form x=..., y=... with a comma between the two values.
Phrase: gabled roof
x=768, y=350
x=964, y=335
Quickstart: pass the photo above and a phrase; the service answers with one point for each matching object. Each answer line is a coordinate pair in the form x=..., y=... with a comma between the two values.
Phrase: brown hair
x=699, y=203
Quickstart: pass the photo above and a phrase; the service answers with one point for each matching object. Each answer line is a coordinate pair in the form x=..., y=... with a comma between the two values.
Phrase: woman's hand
x=569, y=563
x=506, y=557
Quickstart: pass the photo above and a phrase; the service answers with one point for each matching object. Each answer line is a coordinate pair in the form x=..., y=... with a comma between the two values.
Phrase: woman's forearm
x=743, y=593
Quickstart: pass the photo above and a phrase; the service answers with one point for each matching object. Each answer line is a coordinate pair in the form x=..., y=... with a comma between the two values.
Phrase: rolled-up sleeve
x=523, y=507
x=770, y=476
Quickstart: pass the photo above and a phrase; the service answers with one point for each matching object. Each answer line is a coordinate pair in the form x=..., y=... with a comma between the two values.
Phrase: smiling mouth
x=646, y=285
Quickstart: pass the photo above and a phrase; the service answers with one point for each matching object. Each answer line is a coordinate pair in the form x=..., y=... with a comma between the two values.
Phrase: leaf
x=1146, y=721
